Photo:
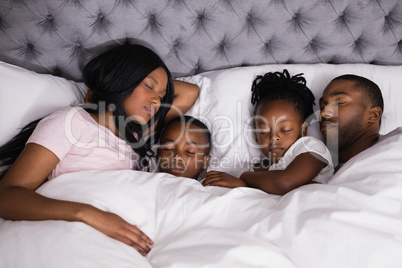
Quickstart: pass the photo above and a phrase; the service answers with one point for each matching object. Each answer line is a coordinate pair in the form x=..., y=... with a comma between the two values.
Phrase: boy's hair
x=281, y=86
x=186, y=119
x=369, y=89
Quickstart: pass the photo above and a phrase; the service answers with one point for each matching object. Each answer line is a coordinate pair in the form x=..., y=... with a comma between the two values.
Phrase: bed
x=221, y=45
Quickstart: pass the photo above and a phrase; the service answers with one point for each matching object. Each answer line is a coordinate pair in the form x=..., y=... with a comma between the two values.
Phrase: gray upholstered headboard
x=58, y=36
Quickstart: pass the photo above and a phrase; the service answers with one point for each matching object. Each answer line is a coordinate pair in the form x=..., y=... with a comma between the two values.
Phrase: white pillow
x=227, y=107
x=203, y=97
x=223, y=104
x=26, y=96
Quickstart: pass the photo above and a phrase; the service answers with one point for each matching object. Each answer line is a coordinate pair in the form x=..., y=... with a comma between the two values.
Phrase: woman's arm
x=185, y=95
x=301, y=171
x=19, y=201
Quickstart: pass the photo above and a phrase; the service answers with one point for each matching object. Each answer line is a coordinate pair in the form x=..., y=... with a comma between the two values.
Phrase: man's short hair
x=369, y=89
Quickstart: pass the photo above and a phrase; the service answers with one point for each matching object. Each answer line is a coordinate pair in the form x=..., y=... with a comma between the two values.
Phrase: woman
x=131, y=92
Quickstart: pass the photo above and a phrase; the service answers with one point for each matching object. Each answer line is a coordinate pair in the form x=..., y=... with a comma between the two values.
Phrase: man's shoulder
x=387, y=148
x=393, y=135
x=381, y=160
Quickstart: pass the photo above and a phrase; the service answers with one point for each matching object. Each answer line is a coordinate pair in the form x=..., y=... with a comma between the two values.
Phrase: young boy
x=184, y=147
x=283, y=104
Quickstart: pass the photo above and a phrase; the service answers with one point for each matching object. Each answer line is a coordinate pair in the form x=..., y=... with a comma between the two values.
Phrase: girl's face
x=146, y=98
x=183, y=150
x=278, y=125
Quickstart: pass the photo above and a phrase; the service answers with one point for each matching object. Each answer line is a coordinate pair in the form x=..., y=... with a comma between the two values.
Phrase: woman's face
x=146, y=98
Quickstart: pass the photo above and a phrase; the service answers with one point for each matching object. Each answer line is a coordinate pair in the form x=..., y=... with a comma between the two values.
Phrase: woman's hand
x=217, y=178
x=115, y=227
x=19, y=201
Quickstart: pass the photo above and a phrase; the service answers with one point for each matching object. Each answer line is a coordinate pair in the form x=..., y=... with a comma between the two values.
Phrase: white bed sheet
x=354, y=221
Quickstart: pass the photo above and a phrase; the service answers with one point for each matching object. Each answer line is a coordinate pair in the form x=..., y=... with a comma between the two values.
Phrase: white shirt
x=303, y=145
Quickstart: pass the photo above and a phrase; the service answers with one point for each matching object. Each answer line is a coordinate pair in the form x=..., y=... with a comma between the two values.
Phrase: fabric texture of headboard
x=193, y=36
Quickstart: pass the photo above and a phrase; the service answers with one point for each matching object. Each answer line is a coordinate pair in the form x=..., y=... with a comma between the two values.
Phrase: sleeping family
x=129, y=109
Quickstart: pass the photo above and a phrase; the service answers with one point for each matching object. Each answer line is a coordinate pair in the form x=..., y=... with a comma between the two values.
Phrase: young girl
x=184, y=147
x=283, y=104
x=131, y=92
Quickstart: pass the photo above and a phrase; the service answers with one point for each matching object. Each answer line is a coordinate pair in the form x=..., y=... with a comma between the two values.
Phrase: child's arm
x=217, y=178
x=301, y=171
x=185, y=95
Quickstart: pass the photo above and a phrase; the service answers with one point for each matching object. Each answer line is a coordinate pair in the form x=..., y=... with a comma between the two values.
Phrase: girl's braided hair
x=281, y=86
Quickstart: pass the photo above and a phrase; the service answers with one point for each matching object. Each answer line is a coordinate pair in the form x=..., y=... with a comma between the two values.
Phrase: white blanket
x=354, y=221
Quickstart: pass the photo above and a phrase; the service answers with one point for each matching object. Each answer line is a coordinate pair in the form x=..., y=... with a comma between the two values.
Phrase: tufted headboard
x=191, y=36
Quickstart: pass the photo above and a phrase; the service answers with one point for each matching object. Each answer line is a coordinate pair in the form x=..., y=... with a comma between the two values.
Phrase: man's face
x=344, y=114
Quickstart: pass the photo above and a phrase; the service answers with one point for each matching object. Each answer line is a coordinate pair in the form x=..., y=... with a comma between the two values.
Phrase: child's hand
x=217, y=178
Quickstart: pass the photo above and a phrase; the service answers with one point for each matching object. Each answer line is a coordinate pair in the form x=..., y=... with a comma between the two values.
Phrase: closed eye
x=339, y=101
x=148, y=86
x=169, y=146
x=264, y=130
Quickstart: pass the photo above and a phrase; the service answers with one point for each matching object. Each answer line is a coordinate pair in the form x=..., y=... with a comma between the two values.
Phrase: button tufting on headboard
x=193, y=36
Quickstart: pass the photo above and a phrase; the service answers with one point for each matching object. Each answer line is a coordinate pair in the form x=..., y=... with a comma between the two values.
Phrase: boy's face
x=278, y=125
x=183, y=150
x=344, y=114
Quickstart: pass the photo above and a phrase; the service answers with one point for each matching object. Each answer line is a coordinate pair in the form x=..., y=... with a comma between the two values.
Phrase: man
x=351, y=109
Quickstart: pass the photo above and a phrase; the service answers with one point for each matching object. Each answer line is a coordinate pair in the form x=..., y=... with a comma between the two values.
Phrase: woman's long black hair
x=12, y=149
x=112, y=76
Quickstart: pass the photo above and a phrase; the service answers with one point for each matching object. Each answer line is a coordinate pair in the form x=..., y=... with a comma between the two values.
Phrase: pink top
x=81, y=143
